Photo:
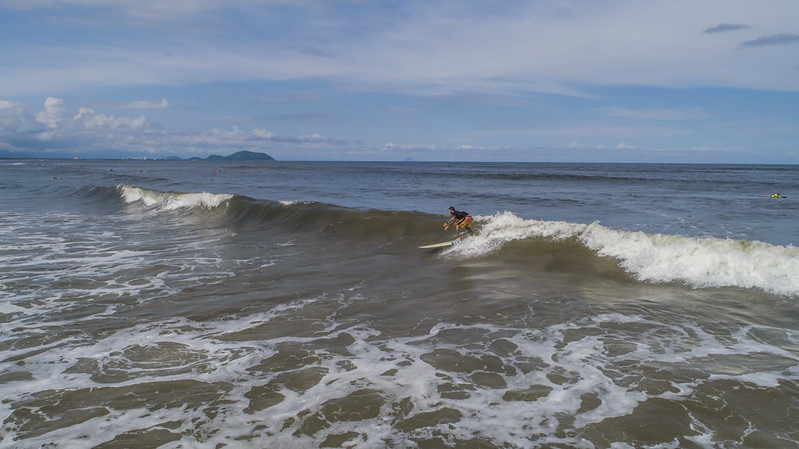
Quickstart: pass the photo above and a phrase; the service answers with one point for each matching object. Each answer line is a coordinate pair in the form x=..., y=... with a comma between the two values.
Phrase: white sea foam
x=533, y=393
x=171, y=200
x=698, y=262
x=51, y=269
x=497, y=399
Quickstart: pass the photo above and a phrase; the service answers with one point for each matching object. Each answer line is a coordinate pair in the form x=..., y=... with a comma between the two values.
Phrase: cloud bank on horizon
x=573, y=80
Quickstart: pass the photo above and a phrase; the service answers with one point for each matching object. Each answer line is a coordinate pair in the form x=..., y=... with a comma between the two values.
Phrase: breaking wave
x=699, y=262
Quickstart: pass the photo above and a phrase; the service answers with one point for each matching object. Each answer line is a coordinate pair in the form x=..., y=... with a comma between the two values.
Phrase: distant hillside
x=240, y=156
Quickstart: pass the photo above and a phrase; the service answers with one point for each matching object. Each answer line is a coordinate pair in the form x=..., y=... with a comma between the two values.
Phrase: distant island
x=238, y=156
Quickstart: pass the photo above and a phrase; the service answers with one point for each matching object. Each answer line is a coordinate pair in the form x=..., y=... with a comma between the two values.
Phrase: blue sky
x=548, y=80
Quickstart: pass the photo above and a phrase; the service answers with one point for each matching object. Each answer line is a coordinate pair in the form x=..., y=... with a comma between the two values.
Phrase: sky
x=672, y=81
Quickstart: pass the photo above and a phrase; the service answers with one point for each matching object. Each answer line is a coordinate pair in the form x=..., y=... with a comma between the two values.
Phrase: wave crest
x=698, y=262
x=172, y=200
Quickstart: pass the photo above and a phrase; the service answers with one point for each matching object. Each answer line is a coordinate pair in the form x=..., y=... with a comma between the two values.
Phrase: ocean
x=197, y=304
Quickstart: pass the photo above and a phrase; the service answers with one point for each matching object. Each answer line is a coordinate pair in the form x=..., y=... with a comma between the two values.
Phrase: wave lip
x=172, y=200
x=699, y=262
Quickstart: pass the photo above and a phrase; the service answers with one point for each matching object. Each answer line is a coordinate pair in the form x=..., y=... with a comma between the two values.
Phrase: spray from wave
x=698, y=262
x=172, y=200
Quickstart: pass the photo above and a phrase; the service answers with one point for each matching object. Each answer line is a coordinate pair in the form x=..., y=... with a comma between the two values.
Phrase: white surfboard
x=441, y=245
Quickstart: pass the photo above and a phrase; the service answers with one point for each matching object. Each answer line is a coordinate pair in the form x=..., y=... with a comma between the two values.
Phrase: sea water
x=186, y=304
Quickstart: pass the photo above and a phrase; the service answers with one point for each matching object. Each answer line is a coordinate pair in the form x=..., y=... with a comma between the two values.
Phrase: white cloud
x=86, y=118
x=234, y=134
x=16, y=118
x=415, y=146
x=475, y=62
x=263, y=134
x=52, y=114
x=312, y=138
x=51, y=117
x=143, y=104
x=431, y=48
x=52, y=127
x=150, y=10
x=616, y=43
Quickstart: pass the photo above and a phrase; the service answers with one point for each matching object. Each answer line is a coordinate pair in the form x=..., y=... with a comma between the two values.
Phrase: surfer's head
x=452, y=209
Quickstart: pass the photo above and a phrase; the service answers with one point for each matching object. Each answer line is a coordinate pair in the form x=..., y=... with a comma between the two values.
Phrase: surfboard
x=441, y=245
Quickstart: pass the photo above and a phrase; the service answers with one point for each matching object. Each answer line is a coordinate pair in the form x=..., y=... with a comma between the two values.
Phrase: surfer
x=776, y=195
x=463, y=220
